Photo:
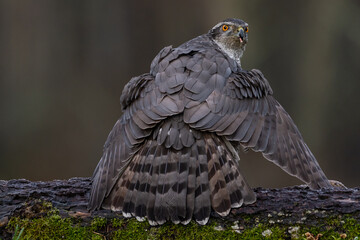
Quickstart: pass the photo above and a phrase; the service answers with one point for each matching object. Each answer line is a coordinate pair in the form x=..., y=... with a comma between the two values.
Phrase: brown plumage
x=172, y=154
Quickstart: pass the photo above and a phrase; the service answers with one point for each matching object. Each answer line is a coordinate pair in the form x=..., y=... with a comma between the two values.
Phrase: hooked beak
x=241, y=35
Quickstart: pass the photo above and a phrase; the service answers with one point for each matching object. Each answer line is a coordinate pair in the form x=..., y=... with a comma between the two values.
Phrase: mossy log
x=289, y=206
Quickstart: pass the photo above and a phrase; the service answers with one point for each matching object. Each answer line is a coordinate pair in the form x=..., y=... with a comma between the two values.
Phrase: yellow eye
x=225, y=28
x=246, y=29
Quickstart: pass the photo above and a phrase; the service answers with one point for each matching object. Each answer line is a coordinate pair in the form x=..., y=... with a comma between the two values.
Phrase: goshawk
x=172, y=155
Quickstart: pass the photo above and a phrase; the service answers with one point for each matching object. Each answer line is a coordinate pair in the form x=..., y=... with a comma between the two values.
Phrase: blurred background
x=63, y=65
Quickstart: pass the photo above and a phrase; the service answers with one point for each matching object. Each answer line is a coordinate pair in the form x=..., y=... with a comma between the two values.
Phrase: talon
x=337, y=184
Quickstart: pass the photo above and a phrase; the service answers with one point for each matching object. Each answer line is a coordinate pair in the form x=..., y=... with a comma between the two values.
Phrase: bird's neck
x=233, y=54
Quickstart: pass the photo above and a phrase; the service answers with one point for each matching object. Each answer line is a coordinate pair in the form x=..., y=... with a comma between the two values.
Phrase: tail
x=179, y=177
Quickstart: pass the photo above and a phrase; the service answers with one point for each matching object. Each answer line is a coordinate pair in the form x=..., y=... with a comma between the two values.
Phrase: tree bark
x=291, y=205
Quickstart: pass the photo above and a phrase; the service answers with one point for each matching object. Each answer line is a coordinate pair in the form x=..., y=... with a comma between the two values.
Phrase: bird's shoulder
x=199, y=60
x=250, y=83
x=201, y=47
x=134, y=88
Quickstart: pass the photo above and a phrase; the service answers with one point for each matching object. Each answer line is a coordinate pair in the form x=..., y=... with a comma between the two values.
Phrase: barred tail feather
x=220, y=198
x=165, y=184
x=144, y=182
x=154, y=172
x=202, y=205
x=191, y=184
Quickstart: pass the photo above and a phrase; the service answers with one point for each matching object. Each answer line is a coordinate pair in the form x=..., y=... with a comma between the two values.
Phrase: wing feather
x=244, y=110
x=144, y=106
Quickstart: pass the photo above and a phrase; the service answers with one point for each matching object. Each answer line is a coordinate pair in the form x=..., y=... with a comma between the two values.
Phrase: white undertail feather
x=203, y=222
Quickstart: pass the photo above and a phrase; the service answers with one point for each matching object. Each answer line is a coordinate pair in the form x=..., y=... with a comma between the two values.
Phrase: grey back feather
x=171, y=155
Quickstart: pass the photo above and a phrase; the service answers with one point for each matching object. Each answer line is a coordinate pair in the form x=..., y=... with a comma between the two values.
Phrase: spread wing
x=214, y=95
x=146, y=100
x=245, y=111
x=148, y=107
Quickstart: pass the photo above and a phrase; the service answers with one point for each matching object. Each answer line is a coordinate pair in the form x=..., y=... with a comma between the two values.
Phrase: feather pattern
x=166, y=184
x=260, y=123
x=172, y=154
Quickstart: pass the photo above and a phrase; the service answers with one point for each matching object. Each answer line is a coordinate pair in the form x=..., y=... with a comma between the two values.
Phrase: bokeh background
x=63, y=65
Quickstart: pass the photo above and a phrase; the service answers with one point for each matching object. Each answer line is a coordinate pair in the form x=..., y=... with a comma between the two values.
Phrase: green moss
x=98, y=223
x=53, y=226
x=124, y=229
x=133, y=229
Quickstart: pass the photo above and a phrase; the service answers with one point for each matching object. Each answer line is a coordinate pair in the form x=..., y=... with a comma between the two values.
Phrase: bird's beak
x=241, y=35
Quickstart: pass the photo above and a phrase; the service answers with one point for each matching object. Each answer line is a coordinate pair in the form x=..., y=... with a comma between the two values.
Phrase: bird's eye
x=225, y=28
x=246, y=29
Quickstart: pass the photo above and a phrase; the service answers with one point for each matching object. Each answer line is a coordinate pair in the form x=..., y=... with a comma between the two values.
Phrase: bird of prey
x=172, y=155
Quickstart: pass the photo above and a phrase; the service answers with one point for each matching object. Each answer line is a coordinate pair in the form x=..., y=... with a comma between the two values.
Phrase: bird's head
x=231, y=35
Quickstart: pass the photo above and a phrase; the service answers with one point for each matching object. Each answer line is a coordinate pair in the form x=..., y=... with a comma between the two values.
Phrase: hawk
x=172, y=155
